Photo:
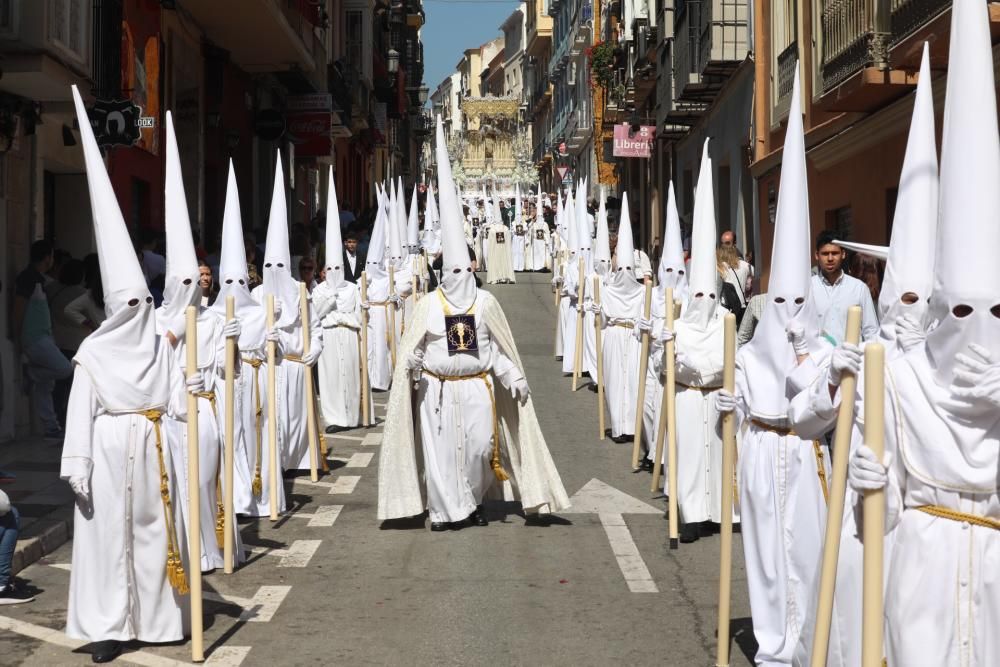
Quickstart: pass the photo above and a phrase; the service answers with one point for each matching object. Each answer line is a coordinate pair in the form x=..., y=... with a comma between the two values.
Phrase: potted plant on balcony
x=602, y=64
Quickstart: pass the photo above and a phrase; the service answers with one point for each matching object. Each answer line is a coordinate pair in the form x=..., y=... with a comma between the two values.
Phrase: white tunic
x=538, y=254
x=340, y=365
x=498, y=266
x=379, y=345
x=621, y=304
x=517, y=249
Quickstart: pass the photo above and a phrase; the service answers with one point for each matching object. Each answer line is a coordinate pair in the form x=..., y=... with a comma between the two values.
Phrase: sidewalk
x=44, y=501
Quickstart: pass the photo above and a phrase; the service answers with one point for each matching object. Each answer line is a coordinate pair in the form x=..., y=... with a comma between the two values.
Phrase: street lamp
x=392, y=61
x=422, y=95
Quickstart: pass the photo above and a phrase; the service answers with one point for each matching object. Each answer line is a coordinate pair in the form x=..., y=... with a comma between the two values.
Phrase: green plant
x=602, y=64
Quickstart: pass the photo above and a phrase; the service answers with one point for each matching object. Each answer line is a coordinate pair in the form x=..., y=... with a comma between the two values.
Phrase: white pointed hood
x=458, y=283
x=374, y=264
x=560, y=219
x=672, y=272
x=966, y=274
x=623, y=295
x=127, y=367
x=540, y=206
x=625, y=250
x=234, y=280
x=396, y=221
x=602, y=244
x=180, y=287
x=911, y=249
x=572, y=229
x=334, y=260
x=278, y=278
x=703, y=298
x=769, y=357
x=413, y=226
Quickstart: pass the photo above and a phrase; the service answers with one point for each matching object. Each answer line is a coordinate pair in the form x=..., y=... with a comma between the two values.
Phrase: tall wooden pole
x=227, y=543
x=194, y=492
x=600, y=358
x=728, y=480
x=312, y=427
x=668, y=352
x=873, y=532
x=578, y=348
x=272, y=413
x=392, y=316
x=835, y=507
x=643, y=363
x=365, y=412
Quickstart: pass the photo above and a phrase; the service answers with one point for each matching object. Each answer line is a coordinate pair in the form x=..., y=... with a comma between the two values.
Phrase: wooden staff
x=661, y=427
x=272, y=412
x=873, y=532
x=835, y=507
x=312, y=427
x=728, y=477
x=365, y=413
x=227, y=544
x=600, y=358
x=555, y=288
x=643, y=362
x=194, y=492
x=392, y=316
x=578, y=348
x=668, y=408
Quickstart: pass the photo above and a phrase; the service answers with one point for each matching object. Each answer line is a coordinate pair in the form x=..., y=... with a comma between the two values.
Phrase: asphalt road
x=328, y=585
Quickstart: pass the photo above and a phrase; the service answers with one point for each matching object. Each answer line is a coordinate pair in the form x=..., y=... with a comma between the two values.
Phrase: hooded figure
x=431, y=237
x=538, y=239
x=943, y=398
x=293, y=434
x=338, y=308
x=251, y=465
x=672, y=273
x=904, y=321
x=622, y=309
x=698, y=345
x=782, y=476
x=568, y=278
x=180, y=291
x=126, y=556
x=462, y=433
x=498, y=244
x=589, y=359
x=519, y=232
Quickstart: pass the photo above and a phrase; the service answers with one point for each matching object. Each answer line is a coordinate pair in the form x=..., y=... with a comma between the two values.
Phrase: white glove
x=797, y=337
x=396, y=300
x=981, y=373
x=666, y=335
x=415, y=361
x=520, y=391
x=846, y=358
x=232, y=329
x=909, y=333
x=311, y=357
x=557, y=281
x=865, y=472
x=195, y=383
x=579, y=307
x=274, y=335
x=724, y=402
x=81, y=487
x=365, y=305
x=642, y=325
x=594, y=308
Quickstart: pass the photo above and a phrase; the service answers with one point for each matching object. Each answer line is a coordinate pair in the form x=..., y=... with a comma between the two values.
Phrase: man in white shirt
x=833, y=292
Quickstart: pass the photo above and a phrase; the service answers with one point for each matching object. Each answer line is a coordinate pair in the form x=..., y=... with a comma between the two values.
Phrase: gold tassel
x=498, y=470
x=258, y=485
x=175, y=573
x=220, y=516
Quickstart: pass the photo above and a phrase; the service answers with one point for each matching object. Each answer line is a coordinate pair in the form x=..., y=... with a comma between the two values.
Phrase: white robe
x=118, y=587
x=538, y=249
x=621, y=304
x=783, y=513
x=518, y=246
x=379, y=343
x=340, y=365
x=498, y=265
x=524, y=455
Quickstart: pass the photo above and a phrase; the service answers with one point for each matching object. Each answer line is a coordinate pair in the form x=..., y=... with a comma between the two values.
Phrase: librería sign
x=633, y=144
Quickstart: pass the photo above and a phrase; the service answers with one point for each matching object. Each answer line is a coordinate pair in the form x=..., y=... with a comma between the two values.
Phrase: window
x=68, y=22
x=355, y=37
x=8, y=18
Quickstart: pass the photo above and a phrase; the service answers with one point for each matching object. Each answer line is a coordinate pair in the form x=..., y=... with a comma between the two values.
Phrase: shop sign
x=115, y=122
x=633, y=144
x=310, y=133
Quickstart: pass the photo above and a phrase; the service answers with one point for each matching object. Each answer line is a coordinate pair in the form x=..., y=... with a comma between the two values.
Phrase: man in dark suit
x=354, y=261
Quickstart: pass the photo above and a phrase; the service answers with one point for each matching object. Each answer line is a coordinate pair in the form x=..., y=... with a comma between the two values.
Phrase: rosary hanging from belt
x=460, y=330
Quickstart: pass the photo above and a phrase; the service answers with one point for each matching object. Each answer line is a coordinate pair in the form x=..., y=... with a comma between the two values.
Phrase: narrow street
x=327, y=584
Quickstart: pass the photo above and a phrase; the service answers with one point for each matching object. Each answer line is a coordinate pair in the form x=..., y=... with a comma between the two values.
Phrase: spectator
x=254, y=266
x=751, y=317
x=741, y=274
x=67, y=333
x=833, y=292
x=866, y=269
x=354, y=260
x=153, y=263
x=208, y=287
x=87, y=310
x=10, y=526
x=33, y=323
x=307, y=272
x=346, y=215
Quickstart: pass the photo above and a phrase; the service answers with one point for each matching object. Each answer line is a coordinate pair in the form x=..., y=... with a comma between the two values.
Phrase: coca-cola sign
x=310, y=132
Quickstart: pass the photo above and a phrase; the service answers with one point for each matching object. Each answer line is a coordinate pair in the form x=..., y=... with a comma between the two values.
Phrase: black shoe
x=106, y=651
x=331, y=429
x=439, y=526
x=12, y=594
x=478, y=518
x=690, y=532
x=646, y=465
x=464, y=523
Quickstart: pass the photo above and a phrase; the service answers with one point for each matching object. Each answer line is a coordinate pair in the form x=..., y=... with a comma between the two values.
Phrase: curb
x=50, y=534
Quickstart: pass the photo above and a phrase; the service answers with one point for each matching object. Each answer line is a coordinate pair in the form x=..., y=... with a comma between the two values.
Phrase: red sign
x=310, y=132
x=633, y=144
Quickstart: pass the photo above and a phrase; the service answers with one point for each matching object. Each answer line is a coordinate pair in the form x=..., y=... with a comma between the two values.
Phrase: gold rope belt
x=175, y=567
x=293, y=357
x=498, y=470
x=817, y=450
x=220, y=510
x=955, y=515
x=258, y=484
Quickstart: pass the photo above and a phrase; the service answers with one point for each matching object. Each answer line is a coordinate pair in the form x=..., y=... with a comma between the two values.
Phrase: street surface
x=327, y=584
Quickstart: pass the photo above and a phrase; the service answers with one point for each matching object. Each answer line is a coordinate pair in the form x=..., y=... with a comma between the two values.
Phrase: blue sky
x=456, y=25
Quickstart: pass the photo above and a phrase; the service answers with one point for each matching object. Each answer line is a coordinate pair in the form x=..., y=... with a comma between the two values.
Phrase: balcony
x=710, y=42
x=579, y=128
x=46, y=48
x=267, y=35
